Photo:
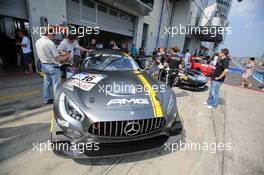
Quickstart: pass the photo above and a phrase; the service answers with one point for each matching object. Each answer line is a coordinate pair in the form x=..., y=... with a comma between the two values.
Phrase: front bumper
x=98, y=147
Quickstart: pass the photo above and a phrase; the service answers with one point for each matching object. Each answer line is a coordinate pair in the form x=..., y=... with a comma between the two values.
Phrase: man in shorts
x=27, y=51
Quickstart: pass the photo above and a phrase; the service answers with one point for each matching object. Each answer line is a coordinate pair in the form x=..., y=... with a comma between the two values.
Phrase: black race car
x=186, y=79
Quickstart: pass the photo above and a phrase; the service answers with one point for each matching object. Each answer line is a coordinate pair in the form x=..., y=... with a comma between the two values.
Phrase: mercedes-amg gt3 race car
x=110, y=107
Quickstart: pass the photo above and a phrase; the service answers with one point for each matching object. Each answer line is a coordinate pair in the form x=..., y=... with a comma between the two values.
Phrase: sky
x=246, y=20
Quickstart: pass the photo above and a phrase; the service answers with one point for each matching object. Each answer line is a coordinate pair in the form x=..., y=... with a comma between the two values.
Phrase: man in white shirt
x=26, y=49
x=50, y=59
x=69, y=44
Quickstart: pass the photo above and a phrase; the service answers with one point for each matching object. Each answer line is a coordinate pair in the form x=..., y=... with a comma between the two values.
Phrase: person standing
x=174, y=62
x=93, y=44
x=50, y=64
x=27, y=51
x=161, y=56
x=124, y=47
x=248, y=71
x=218, y=78
x=141, y=52
x=133, y=51
x=187, y=57
x=77, y=55
x=69, y=44
x=113, y=45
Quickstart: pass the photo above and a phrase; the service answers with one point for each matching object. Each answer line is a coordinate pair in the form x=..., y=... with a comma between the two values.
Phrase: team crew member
x=174, y=62
x=133, y=51
x=77, y=55
x=92, y=45
x=69, y=44
x=218, y=78
x=26, y=49
x=50, y=59
x=113, y=45
x=187, y=57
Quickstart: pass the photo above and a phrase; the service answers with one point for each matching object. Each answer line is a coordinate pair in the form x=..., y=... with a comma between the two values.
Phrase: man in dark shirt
x=218, y=78
x=92, y=45
x=174, y=62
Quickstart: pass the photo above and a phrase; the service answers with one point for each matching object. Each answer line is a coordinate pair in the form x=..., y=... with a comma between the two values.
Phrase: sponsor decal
x=124, y=101
x=82, y=85
x=157, y=111
x=63, y=123
x=85, y=81
x=88, y=77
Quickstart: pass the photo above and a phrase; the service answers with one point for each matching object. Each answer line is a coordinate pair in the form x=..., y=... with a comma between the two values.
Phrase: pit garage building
x=116, y=19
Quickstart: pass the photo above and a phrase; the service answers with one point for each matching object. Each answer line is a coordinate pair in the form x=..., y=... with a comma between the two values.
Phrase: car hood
x=207, y=66
x=194, y=75
x=111, y=90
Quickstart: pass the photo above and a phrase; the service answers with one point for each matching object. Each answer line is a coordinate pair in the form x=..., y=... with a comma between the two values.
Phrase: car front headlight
x=69, y=110
x=170, y=104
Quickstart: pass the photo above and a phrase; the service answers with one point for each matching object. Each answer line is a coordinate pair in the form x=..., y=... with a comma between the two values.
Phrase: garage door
x=14, y=8
x=91, y=13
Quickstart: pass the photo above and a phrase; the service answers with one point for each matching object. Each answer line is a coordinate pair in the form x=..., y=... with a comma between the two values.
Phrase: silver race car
x=110, y=107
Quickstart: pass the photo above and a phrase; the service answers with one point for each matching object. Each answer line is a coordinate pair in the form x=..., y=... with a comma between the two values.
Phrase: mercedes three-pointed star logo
x=132, y=128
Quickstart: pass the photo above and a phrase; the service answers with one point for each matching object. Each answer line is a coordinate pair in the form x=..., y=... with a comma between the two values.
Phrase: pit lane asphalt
x=238, y=120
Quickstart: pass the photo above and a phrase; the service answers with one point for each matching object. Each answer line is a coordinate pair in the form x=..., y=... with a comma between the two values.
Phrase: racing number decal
x=86, y=81
x=152, y=95
x=88, y=78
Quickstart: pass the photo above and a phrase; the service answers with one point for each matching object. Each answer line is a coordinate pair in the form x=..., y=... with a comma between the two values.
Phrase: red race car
x=201, y=65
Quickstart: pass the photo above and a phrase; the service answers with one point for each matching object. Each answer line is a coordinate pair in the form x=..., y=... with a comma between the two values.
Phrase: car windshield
x=109, y=62
x=200, y=61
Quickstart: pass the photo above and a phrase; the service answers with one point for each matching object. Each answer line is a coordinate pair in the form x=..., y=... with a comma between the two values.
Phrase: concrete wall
x=55, y=12
x=209, y=12
x=194, y=45
x=153, y=20
x=180, y=17
x=155, y=38
x=138, y=32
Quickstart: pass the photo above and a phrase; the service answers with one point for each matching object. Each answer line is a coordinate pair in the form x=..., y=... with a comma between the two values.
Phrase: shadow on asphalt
x=221, y=101
x=182, y=94
x=21, y=138
x=27, y=115
x=12, y=107
x=21, y=130
x=203, y=89
x=137, y=157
